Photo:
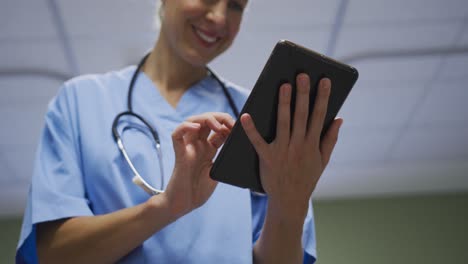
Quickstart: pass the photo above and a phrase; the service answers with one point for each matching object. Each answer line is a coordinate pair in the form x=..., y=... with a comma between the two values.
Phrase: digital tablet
x=237, y=161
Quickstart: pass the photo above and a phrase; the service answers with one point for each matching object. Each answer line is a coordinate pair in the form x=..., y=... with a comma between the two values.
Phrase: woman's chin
x=198, y=59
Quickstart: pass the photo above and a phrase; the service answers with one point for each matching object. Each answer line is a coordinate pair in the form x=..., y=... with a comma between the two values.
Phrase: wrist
x=282, y=234
x=160, y=206
x=293, y=211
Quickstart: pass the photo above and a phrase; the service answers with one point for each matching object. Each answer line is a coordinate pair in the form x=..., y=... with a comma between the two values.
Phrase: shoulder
x=90, y=89
x=95, y=83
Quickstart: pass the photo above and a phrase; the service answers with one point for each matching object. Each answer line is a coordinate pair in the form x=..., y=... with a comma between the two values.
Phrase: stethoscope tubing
x=137, y=178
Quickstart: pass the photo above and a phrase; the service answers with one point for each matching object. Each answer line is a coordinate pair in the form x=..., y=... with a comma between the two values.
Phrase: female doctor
x=83, y=206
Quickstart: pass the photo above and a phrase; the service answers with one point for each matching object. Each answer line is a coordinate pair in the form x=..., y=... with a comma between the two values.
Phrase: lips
x=206, y=38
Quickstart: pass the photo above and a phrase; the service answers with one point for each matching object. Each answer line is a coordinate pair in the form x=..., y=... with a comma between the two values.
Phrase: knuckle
x=284, y=101
x=283, y=122
x=303, y=89
x=301, y=112
x=320, y=111
x=256, y=141
x=304, y=109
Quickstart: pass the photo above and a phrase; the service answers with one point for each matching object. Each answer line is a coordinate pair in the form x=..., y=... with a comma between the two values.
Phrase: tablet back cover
x=237, y=162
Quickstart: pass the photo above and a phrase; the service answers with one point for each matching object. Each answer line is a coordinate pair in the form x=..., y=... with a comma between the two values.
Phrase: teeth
x=205, y=37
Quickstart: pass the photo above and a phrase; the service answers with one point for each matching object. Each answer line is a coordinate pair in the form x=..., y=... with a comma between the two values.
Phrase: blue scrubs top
x=79, y=171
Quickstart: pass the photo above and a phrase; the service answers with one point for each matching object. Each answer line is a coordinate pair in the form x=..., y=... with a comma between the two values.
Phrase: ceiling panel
x=28, y=90
x=464, y=36
x=37, y=54
x=249, y=53
x=400, y=69
x=433, y=143
x=8, y=175
x=360, y=144
x=108, y=17
x=383, y=11
x=20, y=160
x=445, y=104
x=298, y=14
x=25, y=19
x=381, y=104
x=21, y=123
x=390, y=37
x=110, y=52
x=455, y=66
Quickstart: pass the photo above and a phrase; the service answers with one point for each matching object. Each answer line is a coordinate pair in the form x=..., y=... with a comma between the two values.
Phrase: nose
x=218, y=13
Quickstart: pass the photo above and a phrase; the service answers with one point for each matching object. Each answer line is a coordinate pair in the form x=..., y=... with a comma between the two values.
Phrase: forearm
x=281, y=238
x=103, y=238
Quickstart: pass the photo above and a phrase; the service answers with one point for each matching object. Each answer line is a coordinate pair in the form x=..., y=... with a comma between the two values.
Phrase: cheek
x=234, y=28
x=191, y=9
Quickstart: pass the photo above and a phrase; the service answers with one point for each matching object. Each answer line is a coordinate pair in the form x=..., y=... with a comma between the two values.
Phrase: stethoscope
x=137, y=178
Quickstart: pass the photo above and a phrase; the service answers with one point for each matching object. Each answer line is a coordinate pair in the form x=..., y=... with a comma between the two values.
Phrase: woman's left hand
x=292, y=164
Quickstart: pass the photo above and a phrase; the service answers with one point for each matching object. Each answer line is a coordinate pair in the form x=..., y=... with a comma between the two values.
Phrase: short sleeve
x=308, y=237
x=57, y=189
x=259, y=205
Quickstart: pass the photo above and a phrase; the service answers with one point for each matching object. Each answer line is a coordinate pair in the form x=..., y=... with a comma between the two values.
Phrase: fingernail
x=303, y=78
x=246, y=122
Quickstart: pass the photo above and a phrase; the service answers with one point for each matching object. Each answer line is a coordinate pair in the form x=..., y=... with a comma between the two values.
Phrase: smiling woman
x=175, y=114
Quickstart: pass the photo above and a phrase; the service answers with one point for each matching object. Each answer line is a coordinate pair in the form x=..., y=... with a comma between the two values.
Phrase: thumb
x=252, y=133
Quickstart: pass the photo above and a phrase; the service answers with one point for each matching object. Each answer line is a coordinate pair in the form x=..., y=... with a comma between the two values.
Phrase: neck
x=169, y=72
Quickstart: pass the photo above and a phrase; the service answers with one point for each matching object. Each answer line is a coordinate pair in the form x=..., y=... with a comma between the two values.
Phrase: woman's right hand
x=195, y=146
